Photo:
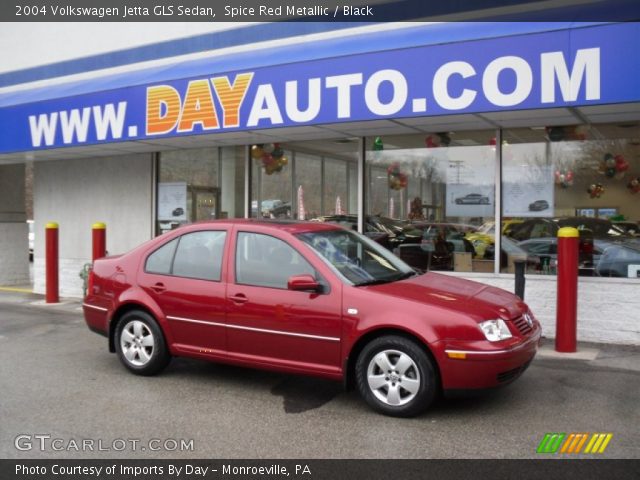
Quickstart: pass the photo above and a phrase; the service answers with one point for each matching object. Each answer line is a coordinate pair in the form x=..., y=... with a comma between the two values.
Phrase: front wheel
x=140, y=344
x=396, y=377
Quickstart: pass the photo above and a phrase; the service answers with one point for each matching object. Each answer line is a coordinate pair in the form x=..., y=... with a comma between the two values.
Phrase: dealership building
x=390, y=129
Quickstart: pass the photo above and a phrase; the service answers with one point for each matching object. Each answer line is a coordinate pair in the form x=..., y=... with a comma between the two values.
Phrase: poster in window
x=470, y=185
x=527, y=191
x=172, y=201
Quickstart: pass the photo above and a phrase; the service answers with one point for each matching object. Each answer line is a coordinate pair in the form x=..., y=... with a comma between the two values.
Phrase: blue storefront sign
x=576, y=67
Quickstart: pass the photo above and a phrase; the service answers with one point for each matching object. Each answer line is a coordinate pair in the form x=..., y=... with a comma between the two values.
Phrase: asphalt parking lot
x=57, y=378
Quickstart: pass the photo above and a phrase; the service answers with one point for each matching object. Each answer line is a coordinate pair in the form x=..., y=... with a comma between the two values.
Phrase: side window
x=199, y=255
x=265, y=261
x=160, y=260
x=540, y=230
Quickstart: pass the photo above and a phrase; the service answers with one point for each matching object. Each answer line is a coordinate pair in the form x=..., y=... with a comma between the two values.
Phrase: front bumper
x=463, y=367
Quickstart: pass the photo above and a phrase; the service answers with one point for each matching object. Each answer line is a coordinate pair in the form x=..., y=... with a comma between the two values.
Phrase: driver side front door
x=274, y=326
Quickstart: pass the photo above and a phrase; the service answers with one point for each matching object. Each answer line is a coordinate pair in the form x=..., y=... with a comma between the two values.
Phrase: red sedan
x=310, y=298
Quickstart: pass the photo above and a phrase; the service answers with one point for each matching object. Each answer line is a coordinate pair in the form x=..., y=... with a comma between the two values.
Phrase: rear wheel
x=140, y=344
x=396, y=377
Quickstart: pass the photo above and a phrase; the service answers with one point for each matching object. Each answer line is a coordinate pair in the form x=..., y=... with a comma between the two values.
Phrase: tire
x=140, y=344
x=404, y=360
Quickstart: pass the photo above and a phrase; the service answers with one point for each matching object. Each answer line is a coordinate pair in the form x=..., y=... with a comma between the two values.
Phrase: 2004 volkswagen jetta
x=310, y=298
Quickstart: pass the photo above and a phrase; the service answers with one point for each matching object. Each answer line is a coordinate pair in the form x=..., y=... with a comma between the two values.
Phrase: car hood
x=478, y=300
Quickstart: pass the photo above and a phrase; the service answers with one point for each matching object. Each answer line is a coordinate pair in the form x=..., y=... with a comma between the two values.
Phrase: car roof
x=290, y=226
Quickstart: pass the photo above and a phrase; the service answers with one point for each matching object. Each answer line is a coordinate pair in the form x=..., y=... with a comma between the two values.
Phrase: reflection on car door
x=269, y=323
x=185, y=278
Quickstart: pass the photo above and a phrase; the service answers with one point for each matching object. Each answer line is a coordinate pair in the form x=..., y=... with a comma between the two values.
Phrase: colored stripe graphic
x=551, y=442
x=572, y=443
x=598, y=443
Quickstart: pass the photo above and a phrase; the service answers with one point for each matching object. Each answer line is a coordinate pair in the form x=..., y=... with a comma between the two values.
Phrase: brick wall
x=608, y=308
x=14, y=261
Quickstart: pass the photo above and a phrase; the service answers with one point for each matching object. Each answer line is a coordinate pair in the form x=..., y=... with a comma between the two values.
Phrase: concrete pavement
x=57, y=378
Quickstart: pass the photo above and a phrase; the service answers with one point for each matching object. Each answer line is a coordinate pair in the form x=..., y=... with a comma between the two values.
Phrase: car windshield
x=487, y=228
x=597, y=226
x=397, y=225
x=357, y=259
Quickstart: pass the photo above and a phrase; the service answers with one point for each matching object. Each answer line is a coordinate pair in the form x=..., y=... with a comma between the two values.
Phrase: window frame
x=173, y=258
x=325, y=289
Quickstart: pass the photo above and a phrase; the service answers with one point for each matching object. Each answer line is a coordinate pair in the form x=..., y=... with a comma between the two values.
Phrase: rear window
x=193, y=255
x=160, y=260
x=199, y=255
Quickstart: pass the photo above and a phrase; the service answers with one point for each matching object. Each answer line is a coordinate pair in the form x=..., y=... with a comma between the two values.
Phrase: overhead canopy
x=418, y=71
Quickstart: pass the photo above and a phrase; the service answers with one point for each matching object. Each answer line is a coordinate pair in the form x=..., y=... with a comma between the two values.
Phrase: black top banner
x=582, y=469
x=317, y=11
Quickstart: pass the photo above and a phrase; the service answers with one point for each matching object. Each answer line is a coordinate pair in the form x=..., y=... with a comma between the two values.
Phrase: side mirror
x=303, y=283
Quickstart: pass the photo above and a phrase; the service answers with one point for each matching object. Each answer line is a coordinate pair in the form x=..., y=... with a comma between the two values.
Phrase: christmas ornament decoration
x=269, y=147
x=436, y=140
x=377, y=144
x=396, y=177
x=634, y=185
x=613, y=166
x=271, y=156
x=564, y=179
x=621, y=166
x=595, y=190
x=256, y=152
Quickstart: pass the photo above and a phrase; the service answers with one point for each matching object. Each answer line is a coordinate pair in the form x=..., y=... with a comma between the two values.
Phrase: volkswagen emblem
x=528, y=318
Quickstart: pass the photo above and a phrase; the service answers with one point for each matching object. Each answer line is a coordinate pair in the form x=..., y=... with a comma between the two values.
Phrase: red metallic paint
x=98, y=241
x=567, y=303
x=305, y=332
x=52, y=292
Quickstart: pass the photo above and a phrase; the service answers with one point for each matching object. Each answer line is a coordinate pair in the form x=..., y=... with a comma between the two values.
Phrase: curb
x=16, y=289
x=588, y=354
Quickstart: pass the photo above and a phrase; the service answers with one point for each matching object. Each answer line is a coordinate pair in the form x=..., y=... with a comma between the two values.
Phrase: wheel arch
x=119, y=313
x=358, y=346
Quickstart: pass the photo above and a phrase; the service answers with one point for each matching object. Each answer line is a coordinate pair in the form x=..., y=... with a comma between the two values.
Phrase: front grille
x=512, y=374
x=522, y=325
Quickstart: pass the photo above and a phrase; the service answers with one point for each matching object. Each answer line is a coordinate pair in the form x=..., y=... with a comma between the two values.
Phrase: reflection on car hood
x=470, y=297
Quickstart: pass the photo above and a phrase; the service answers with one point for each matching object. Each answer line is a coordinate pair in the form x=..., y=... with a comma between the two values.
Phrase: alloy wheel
x=393, y=377
x=137, y=343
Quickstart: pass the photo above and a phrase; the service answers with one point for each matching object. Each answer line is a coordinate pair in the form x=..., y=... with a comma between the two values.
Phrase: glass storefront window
x=199, y=184
x=272, y=190
x=317, y=179
x=308, y=169
x=579, y=176
x=336, y=187
x=427, y=194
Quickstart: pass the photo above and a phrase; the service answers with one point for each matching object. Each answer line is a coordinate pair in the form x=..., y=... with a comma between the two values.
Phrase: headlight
x=495, y=330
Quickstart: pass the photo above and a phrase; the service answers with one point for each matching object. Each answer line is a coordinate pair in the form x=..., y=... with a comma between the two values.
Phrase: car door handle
x=158, y=287
x=239, y=298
